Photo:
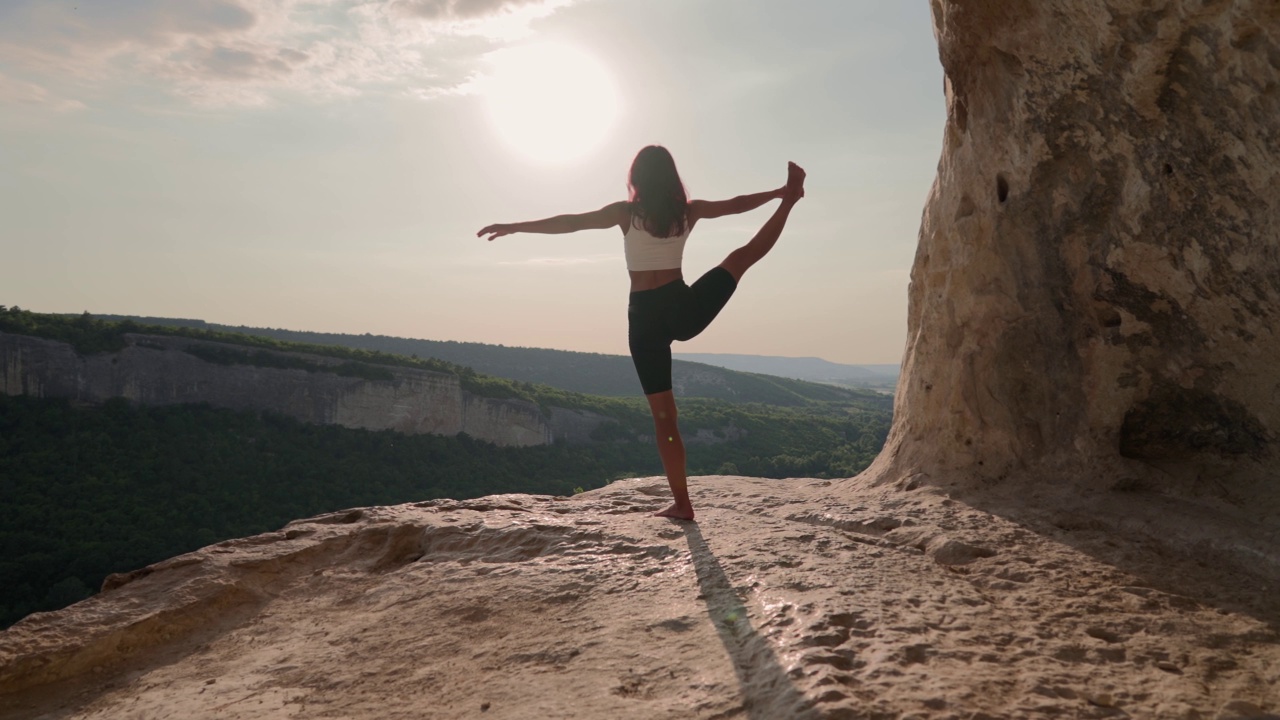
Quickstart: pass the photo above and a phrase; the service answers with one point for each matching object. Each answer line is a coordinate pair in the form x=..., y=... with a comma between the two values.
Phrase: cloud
x=463, y=9
x=251, y=51
x=62, y=34
x=20, y=92
x=243, y=65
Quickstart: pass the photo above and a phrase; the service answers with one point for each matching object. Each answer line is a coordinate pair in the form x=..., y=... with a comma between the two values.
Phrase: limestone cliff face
x=517, y=420
x=1097, y=284
x=158, y=370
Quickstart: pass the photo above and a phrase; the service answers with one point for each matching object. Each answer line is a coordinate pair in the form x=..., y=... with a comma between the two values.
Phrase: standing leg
x=744, y=257
x=671, y=450
x=650, y=345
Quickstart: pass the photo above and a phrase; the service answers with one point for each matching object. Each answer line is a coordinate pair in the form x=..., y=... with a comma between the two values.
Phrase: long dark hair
x=657, y=196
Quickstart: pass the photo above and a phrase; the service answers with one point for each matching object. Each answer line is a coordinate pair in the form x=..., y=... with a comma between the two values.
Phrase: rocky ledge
x=788, y=599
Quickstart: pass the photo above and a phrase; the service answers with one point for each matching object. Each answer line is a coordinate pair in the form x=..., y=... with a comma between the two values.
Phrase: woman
x=655, y=223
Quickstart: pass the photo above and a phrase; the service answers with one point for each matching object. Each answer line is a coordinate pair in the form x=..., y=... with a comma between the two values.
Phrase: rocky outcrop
x=781, y=602
x=162, y=370
x=1096, y=293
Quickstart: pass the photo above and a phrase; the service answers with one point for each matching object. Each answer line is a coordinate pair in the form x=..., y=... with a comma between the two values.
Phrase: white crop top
x=646, y=252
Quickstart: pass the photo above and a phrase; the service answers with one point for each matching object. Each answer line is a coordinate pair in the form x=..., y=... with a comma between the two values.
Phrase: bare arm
x=606, y=217
x=706, y=209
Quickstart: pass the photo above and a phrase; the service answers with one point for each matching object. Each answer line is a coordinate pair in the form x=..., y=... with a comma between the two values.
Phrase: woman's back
x=646, y=251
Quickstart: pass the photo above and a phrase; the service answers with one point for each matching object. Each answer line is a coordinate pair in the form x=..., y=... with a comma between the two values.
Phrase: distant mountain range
x=811, y=369
x=587, y=373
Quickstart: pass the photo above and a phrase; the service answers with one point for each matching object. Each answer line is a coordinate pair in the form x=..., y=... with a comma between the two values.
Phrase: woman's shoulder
x=692, y=214
x=618, y=213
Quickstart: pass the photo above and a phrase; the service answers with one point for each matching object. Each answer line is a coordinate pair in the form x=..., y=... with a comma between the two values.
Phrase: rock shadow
x=1191, y=553
x=766, y=690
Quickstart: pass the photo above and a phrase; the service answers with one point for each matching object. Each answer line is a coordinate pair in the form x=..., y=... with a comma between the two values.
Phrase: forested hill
x=587, y=373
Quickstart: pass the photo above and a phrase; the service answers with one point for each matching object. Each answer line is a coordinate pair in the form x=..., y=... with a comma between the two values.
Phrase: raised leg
x=744, y=257
x=671, y=450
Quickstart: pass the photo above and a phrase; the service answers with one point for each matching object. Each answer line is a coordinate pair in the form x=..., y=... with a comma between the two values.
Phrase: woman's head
x=658, y=197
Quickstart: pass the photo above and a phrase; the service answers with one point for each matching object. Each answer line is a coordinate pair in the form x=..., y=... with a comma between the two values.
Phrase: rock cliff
x=162, y=370
x=1097, y=286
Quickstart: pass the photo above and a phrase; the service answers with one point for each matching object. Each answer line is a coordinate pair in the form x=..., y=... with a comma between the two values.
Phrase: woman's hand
x=496, y=231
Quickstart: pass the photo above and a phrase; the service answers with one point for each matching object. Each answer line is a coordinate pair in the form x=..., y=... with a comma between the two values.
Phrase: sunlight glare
x=552, y=103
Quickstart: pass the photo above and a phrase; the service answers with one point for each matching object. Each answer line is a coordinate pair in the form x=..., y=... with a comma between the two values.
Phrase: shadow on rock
x=767, y=691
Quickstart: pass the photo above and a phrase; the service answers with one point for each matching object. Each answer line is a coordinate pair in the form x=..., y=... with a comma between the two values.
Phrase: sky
x=325, y=165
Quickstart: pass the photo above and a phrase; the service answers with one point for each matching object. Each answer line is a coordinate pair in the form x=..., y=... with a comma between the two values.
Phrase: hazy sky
x=325, y=164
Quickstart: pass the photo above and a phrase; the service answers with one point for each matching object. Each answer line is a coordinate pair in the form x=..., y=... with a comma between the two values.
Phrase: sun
x=552, y=103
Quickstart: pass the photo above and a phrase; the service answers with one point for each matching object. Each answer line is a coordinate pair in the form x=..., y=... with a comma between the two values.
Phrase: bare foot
x=676, y=512
x=795, y=182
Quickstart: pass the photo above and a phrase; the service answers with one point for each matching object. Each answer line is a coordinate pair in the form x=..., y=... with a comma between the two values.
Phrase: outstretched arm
x=706, y=209
x=606, y=217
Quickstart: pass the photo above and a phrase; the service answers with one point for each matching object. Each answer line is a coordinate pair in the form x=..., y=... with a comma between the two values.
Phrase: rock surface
x=1096, y=292
x=788, y=599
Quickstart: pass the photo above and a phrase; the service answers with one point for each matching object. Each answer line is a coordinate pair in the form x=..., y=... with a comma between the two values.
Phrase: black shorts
x=675, y=311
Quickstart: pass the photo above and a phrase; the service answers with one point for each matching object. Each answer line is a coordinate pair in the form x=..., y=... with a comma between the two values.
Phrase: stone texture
x=1096, y=291
x=782, y=601
x=155, y=370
